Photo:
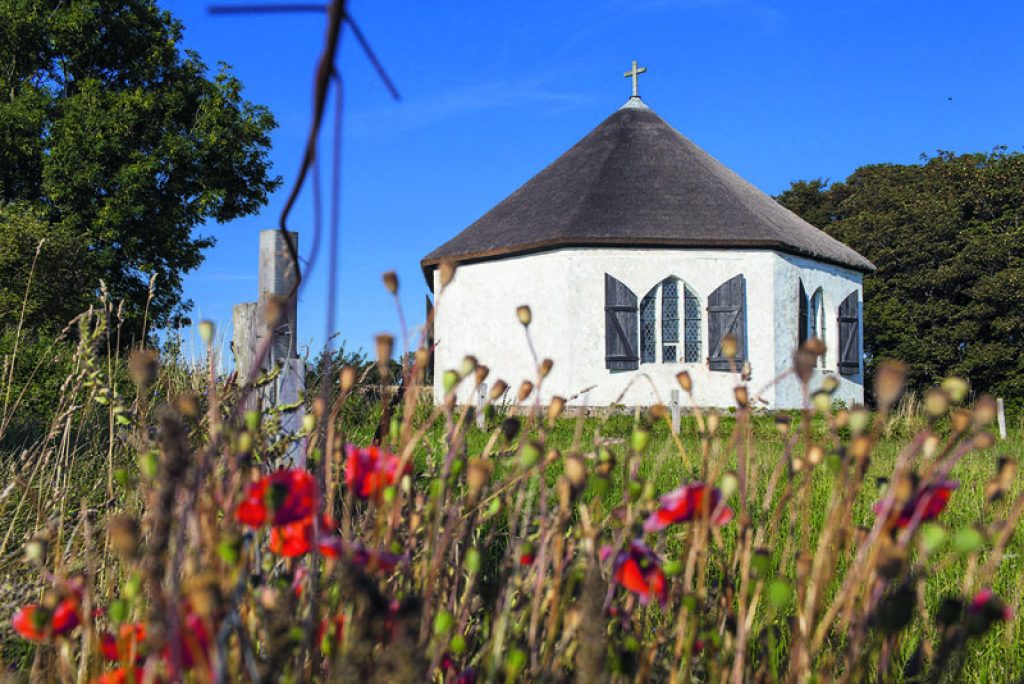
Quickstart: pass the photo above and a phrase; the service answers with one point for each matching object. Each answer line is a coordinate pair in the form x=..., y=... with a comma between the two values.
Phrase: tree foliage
x=947, y=236
x=121, y=143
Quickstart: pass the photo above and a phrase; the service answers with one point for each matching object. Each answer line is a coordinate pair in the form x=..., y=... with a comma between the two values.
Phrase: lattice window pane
x=648, y=340
x=669, y=319
x=691, y=306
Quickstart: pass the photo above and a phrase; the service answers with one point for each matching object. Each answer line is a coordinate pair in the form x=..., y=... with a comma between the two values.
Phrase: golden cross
x=634, y=72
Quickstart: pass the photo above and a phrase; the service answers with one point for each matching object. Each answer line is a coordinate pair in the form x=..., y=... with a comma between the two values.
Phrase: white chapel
x=638, y=253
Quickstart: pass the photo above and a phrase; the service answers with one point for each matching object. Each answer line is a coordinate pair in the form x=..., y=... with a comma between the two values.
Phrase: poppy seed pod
x=985, y=410
x=524, y=314
x=545, y=367
x=936, y=402
x=730, y=346
x=348, y=378
x=500, y=387
x=555, y=409
x=481, y=374
x=206, y=331
x=803, y=363
x=144, y=365
x=685, y=381
x=391, y=282
x=957, y=388
x=447, y=271
x=742, y=396
x=830, y=383
x=385, y=344
x=524, y=390
x=889, y=381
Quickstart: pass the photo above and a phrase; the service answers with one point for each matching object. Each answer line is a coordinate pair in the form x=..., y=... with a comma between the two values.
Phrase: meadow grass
x=522, y=551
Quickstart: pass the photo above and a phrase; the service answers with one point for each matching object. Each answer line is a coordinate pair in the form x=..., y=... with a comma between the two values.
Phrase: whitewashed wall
x=836, y=284
x=476, y=315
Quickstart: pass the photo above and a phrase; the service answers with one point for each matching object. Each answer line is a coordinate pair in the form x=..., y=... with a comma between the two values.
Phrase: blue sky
x=494, y=91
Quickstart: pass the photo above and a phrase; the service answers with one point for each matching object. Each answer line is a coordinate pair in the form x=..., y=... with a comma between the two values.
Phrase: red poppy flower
x=928, y=502
x=526, y=554
x=369, y=470
x=687, y=502
x=637, y=569
x=296, y=539
x=38, y=624
x=195, y=642
x=127, y=643
x=123, y=675
x=283, y=497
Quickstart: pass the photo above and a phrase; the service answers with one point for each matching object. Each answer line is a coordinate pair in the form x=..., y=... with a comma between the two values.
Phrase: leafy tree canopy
x=115, y=145
x=947, y=236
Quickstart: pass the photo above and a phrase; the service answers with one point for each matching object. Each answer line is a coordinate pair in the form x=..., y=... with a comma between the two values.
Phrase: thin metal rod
x=266, y=9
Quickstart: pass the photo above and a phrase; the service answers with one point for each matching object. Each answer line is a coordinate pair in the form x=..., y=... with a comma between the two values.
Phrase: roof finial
x=633, y=73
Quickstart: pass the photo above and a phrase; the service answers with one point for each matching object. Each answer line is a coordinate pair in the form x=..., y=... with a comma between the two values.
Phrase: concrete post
x=277, y=277
x=1001, y=417
x=291, y=388
x=243, y=345
x=674, y=407
x=481, y=404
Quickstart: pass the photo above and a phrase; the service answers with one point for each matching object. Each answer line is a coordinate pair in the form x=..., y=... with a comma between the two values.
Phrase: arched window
x=817, y=320
x=661, y=318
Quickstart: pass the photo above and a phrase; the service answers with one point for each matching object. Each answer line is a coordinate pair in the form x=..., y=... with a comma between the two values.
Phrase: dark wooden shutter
x=804, y=323
x=620, y=326
x=849, y=335
x=727, y=316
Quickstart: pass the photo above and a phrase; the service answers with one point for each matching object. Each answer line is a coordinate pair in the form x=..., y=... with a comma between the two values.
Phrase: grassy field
x=530, y=550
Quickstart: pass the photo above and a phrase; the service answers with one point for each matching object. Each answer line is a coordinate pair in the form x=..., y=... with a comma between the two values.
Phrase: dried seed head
x=742, y=396
x=796, y=464
x=961, y=420
x=684, y=380
x=889, y=381
x=446, y=270
x=957, y=388
x=36, y=549
x=319, y=407
x=500, y=387
x=746, y=371
x=936, y=402
x=985, y=410
x=391, y=282
x=983, y=440
x=815, y=454
x=555, y=409
x=576, y=471
x=712, y=423
x=187, y=405
x=830, y=383
x=524, y=390
x=348, y=378
x=1006, y=473
x=385, y=345
x=841, y=418
x=783, y=422
x=478, y=473
x=524, y=314
x=273, y=311
x=803, y=363
x=930, y=446
x=860, y=447
x=730, y=346
x=481, y=374
x=816, y=346
x=545, y=367
x=657, y=412
x=730, y=483
x=144, y=365
x=123, y=534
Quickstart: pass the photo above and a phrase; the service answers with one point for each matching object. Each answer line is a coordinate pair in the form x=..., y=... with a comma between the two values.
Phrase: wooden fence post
x=674, y=407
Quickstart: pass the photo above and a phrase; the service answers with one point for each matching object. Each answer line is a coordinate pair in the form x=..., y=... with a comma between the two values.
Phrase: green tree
x=947, y=236
x=117, y=146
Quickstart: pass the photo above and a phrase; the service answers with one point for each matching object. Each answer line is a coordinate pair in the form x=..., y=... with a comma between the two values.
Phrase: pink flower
x=638, y=570
x=686, y=503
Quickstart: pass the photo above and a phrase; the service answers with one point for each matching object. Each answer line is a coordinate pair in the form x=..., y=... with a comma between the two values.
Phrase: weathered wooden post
x=273, y=315
x=674, y=407
x=1001, y=417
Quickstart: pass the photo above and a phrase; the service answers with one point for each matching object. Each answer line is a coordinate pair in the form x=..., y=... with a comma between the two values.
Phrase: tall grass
x=809, y=545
